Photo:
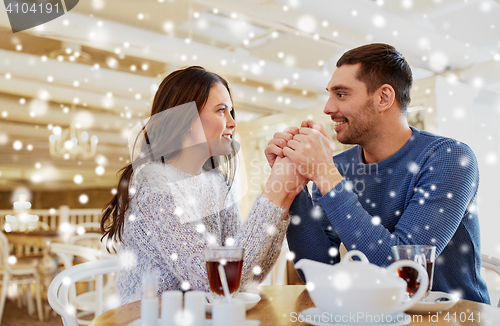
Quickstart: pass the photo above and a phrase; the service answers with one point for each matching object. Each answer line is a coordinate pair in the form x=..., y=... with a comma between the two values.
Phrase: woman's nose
x=230, y=121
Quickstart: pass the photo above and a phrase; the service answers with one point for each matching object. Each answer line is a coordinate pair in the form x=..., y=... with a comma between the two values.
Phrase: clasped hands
x=299, y=155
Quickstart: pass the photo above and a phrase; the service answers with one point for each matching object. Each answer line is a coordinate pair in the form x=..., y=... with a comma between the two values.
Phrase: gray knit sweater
x=173, y=215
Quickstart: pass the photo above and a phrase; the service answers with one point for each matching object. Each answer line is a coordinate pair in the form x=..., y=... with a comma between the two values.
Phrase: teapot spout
x=311, y=268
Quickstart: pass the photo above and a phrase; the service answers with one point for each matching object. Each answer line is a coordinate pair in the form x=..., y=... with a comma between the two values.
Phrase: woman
x=174, y=199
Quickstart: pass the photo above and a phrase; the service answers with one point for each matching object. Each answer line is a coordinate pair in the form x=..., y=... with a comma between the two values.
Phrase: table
x=281, y=304
x=33, y=239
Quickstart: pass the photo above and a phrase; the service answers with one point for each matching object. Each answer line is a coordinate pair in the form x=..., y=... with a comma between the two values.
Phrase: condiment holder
x=225, y=312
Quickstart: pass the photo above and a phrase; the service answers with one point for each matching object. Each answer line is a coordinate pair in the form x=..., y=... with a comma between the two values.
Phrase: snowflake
x=230, y=242
x=316, y=212
x=433, y=240
x=257, y=270
x=310, y=286
x=127, y=260
x=290, y=255
x=131, y=217
x=200, y=228
x=421, y=201
x=397, y=213
x=380, y=241
x=295, y=220
x=271, y=230
x=185, y=285
x=376, y=220
x=464, y=161
x=413, y=168
x=441, y=210
x=392, y=194
x=433, y=187
x=333, y=251
x=449, y=195
x=178, y=211
x=353, y=246
x=427, y=227
x=472, y=208
x=174, y=256
x=464, y=249
x=349, y=216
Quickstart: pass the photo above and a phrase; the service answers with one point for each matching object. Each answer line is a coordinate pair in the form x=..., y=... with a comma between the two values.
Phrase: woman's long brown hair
x=180, y=87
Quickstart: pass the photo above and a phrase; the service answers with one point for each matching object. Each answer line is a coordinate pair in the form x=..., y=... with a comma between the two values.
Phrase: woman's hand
x=284, y=183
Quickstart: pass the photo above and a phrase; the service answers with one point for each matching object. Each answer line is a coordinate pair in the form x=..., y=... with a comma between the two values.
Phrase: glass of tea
x=231, y=258
x=423, y=255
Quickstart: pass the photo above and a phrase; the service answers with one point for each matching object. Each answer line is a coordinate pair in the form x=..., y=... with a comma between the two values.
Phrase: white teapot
x=360, y=287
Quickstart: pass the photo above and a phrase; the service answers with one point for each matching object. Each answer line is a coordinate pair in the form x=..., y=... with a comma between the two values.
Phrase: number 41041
x=463, y=317
x=35, y=8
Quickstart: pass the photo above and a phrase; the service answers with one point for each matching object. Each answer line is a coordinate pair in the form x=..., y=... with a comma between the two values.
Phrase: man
x=399, y=185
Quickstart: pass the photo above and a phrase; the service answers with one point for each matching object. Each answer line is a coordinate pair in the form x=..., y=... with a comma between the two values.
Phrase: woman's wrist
x=274, y=192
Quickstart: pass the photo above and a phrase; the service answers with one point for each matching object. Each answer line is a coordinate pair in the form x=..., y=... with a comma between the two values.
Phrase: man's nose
x=330, y=107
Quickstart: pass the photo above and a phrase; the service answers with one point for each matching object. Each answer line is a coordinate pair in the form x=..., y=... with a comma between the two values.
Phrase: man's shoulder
x=435, y=142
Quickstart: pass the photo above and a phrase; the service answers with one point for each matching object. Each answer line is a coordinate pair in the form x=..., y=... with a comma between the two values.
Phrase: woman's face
x=217, y=122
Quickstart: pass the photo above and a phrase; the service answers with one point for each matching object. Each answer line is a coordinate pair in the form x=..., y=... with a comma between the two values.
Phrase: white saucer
x=427, y=305
x=308, y=315
x=250, y=299
x=208, y=322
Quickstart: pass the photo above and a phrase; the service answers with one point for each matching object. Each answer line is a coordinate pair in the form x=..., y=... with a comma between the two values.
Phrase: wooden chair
x=17, y=273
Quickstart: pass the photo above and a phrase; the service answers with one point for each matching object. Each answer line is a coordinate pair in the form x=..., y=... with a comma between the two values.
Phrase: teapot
x=352, y=287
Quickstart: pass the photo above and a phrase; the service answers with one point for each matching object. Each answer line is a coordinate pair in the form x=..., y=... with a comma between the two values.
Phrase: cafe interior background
x=91, y=75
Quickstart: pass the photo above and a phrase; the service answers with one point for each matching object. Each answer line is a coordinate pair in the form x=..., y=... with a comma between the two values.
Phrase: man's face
x=350, y=106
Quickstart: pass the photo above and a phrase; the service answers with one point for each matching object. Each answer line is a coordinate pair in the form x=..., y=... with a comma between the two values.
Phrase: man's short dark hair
x=381, y=64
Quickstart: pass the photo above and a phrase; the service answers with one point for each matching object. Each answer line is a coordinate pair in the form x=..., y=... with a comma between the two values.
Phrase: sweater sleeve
x=261, y=235
x=446, y=184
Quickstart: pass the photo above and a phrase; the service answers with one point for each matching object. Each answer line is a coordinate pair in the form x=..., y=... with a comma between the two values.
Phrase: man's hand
x=312, y=152
x=275, y=146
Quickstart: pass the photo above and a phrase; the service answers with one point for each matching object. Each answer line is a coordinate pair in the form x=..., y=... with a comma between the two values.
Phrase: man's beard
x=359, y=130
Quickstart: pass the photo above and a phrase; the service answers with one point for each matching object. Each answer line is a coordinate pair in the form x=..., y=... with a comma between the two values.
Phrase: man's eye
x=340, y=94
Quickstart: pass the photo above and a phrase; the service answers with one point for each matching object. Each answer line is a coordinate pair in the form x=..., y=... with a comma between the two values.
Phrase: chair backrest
x=491, y=263
x=67, y=251
x=4, y=252
x=58, y=293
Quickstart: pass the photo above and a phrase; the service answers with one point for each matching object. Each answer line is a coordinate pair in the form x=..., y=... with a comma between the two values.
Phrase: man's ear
x=386, y=97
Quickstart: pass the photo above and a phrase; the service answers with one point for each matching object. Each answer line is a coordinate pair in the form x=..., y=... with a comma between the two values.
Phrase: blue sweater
x=423, y=194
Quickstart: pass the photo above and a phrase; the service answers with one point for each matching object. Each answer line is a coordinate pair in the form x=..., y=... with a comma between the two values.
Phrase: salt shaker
x=226, y=313
x=194, y=308
x=171, y=308
x=149, y=302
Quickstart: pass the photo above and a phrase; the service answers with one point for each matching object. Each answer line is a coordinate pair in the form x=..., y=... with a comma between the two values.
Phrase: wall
x=469, y=115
